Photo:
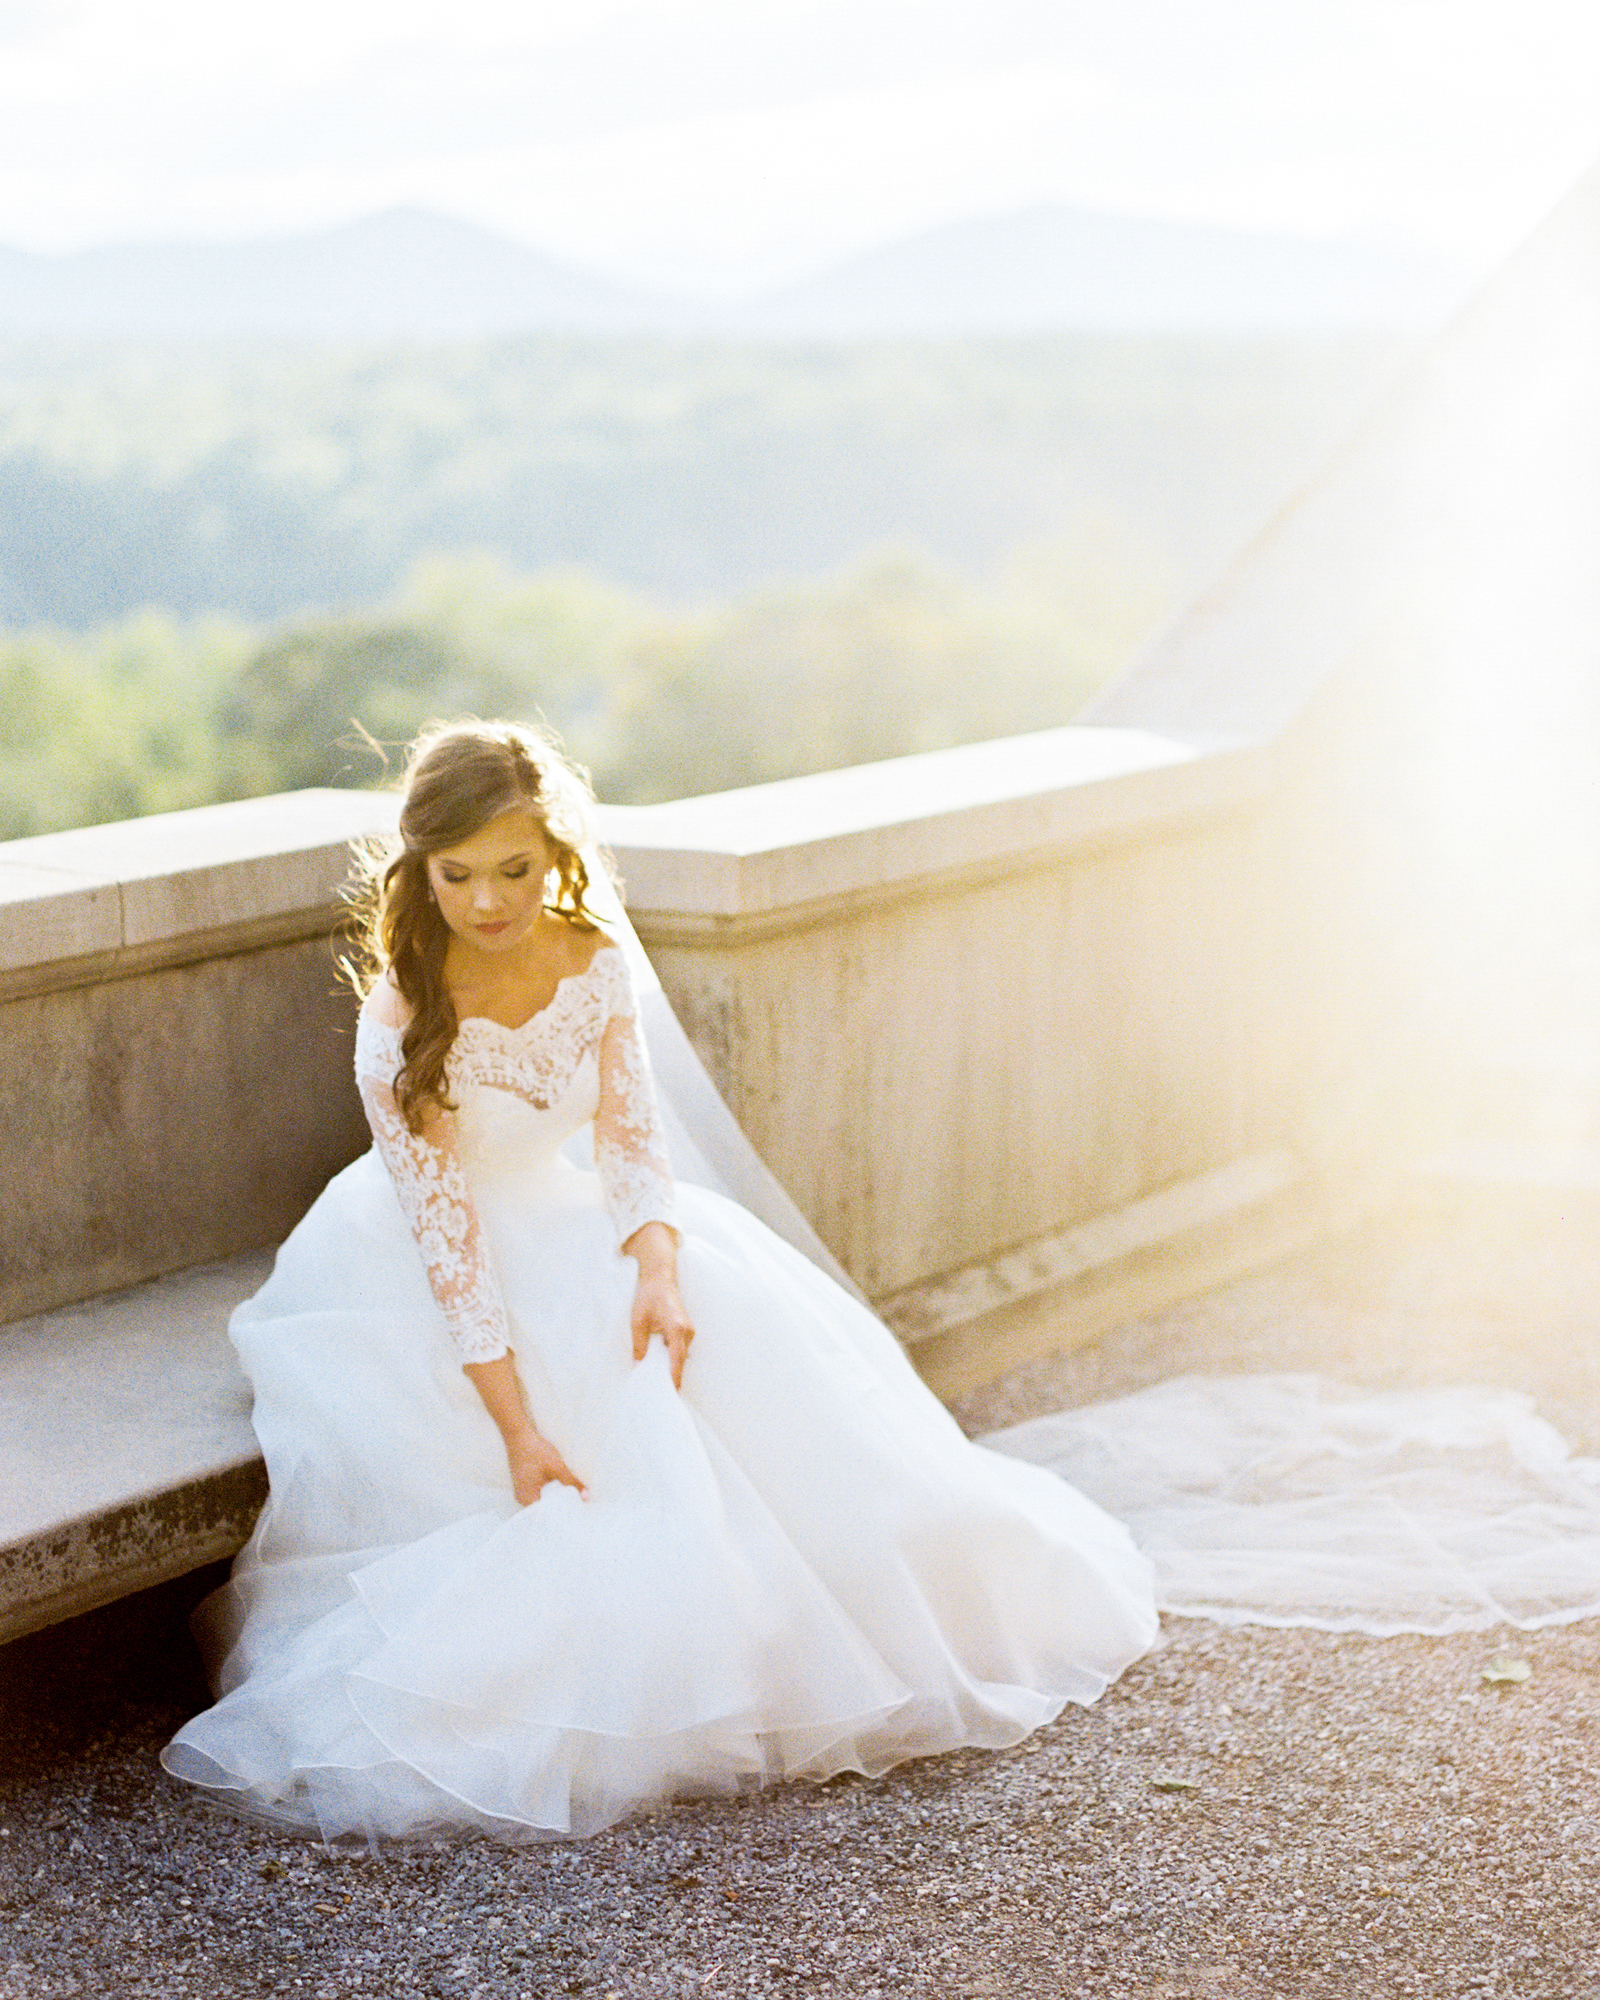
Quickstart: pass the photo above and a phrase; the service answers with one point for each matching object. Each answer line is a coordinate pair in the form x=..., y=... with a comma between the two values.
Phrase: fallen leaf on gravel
x=1173, y=1785
x=272, y=1870
x=1507, y=1668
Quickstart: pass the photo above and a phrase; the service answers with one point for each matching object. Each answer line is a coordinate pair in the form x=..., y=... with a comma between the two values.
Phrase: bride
x=587, y=1491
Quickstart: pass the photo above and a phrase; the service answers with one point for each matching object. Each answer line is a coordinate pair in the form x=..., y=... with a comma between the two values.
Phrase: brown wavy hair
x=459, y=776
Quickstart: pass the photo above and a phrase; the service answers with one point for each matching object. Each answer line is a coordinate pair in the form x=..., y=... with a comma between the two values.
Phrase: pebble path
x=1246, y=1814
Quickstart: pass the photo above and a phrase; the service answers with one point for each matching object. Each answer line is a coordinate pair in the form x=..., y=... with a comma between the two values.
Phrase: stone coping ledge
x=803, y=846
x=140, y=890
x=106, y=901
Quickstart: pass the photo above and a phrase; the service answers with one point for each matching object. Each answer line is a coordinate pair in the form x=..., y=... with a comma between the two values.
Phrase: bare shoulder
x=384, y=1005
x=584, y=944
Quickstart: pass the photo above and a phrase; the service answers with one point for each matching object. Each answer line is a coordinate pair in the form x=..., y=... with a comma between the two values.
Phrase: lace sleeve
x=434, y=1196
x=630, y=1149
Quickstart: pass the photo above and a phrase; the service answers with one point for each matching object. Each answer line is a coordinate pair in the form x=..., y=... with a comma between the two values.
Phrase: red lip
x=493, y=930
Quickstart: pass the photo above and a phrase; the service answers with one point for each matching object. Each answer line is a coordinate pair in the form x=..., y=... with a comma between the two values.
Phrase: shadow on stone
x=63, y=1687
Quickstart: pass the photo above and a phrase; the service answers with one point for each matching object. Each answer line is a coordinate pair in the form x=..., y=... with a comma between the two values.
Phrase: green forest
x=706, y=564
x=153, y=713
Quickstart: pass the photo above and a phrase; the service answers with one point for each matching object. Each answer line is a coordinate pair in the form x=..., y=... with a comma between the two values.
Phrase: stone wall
x=967, y=1002
x=965, y=1005
x=1027, y=1028
x=174, y=1042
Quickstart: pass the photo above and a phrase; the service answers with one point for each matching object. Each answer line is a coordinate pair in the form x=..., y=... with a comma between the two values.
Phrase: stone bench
x=175, y=1062
x=126, y=1441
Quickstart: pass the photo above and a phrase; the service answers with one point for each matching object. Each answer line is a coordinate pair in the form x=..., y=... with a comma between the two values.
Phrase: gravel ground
x=1245, y=1814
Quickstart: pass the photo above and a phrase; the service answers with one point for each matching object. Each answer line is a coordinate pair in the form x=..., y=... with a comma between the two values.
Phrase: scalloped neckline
x=567, y=979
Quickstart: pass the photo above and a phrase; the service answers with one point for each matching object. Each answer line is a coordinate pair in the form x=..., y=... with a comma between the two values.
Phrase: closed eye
x=513, y=871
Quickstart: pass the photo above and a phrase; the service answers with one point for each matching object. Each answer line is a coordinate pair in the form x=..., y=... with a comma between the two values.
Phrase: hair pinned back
x=459, y=776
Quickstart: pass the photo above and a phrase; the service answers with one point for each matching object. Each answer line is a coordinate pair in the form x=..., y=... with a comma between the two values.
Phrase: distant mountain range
x=410, y=274
x=402, y=273
x=1064, y=267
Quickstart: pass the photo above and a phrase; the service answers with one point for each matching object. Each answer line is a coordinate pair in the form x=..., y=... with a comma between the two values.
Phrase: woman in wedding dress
x=587, y=1491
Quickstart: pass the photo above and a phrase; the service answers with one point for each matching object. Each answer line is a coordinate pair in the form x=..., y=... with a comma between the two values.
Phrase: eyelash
x=511, y=875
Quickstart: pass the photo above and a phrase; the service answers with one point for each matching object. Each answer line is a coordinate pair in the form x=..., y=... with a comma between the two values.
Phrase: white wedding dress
x=798, y=1566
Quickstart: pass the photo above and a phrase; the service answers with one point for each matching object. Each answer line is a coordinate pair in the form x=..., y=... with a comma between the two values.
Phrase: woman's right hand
x=535, y=1464
x=534, y=1461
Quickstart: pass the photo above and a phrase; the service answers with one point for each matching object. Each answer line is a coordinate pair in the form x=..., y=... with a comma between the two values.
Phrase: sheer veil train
x=706, y=1141
x=1270, y=1499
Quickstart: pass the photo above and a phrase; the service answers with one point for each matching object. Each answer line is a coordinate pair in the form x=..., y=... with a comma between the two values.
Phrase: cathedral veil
x=705, y=1141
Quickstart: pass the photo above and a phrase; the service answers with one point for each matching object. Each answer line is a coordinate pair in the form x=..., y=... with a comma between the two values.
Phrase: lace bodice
x=579, y=1058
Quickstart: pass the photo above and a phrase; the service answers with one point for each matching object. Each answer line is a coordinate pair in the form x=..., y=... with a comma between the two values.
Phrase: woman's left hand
x=657, y=1309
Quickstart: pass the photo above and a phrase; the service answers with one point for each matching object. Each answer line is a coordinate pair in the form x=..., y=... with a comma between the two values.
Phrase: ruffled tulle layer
x=797, y=1567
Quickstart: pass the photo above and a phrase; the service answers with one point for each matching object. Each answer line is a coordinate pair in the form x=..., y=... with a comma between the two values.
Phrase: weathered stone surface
x=182, y=873
x=174, y=1040
x=778, y=854
x=55, y=913
x=126, y=1441
x=170, y=1119
x=968, y=1001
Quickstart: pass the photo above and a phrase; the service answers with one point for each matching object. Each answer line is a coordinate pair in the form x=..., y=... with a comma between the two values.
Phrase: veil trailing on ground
x=1266, y=1500
x=1289, y=1500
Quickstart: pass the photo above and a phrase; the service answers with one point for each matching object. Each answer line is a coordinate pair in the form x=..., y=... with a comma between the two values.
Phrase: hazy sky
x=729, y=141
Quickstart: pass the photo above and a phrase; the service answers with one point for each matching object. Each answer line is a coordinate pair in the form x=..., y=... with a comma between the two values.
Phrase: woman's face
x=490, y=887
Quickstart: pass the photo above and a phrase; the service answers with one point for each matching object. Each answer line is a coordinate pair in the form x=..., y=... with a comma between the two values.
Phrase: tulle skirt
x=797, y=1566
